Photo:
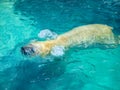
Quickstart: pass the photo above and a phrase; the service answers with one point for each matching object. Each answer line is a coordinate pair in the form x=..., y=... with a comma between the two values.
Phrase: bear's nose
x=27, y=50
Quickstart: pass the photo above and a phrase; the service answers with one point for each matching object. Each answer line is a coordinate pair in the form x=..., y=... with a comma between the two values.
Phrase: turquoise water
x=22, y=20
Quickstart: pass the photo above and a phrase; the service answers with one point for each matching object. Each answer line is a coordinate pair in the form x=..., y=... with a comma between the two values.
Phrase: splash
x=47, y=34
x=58, y=51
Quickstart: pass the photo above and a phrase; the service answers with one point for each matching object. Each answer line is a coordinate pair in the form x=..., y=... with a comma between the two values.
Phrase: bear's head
x=41, y=48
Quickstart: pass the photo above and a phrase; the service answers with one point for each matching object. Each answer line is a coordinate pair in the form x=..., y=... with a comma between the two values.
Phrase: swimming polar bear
x=93, y=35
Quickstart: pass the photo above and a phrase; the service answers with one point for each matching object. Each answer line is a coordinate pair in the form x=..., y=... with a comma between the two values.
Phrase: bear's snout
x=27, y=50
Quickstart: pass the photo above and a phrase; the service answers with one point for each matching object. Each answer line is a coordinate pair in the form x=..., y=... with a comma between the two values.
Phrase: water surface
x=22, y=20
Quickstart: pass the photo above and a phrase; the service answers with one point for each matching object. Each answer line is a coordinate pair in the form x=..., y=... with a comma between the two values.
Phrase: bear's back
x=88, y=34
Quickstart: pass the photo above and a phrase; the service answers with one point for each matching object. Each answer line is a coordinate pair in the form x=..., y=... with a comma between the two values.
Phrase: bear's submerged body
x=82, y=36
x=88, y=35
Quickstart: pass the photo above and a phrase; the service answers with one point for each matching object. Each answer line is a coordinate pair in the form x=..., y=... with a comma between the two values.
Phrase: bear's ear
x=58, y=51
x=47, y=34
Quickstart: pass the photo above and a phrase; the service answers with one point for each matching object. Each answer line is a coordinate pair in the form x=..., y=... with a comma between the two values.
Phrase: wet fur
x=82, y=36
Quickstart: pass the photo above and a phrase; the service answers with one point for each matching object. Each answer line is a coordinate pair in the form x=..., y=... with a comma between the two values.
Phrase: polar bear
x=93, y=35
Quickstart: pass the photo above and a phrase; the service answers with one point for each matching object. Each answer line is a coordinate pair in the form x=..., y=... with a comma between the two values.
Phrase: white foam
x=47, y=34
x=58, y=51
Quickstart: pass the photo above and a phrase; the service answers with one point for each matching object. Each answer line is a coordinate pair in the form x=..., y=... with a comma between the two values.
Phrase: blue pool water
x=90, y=69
